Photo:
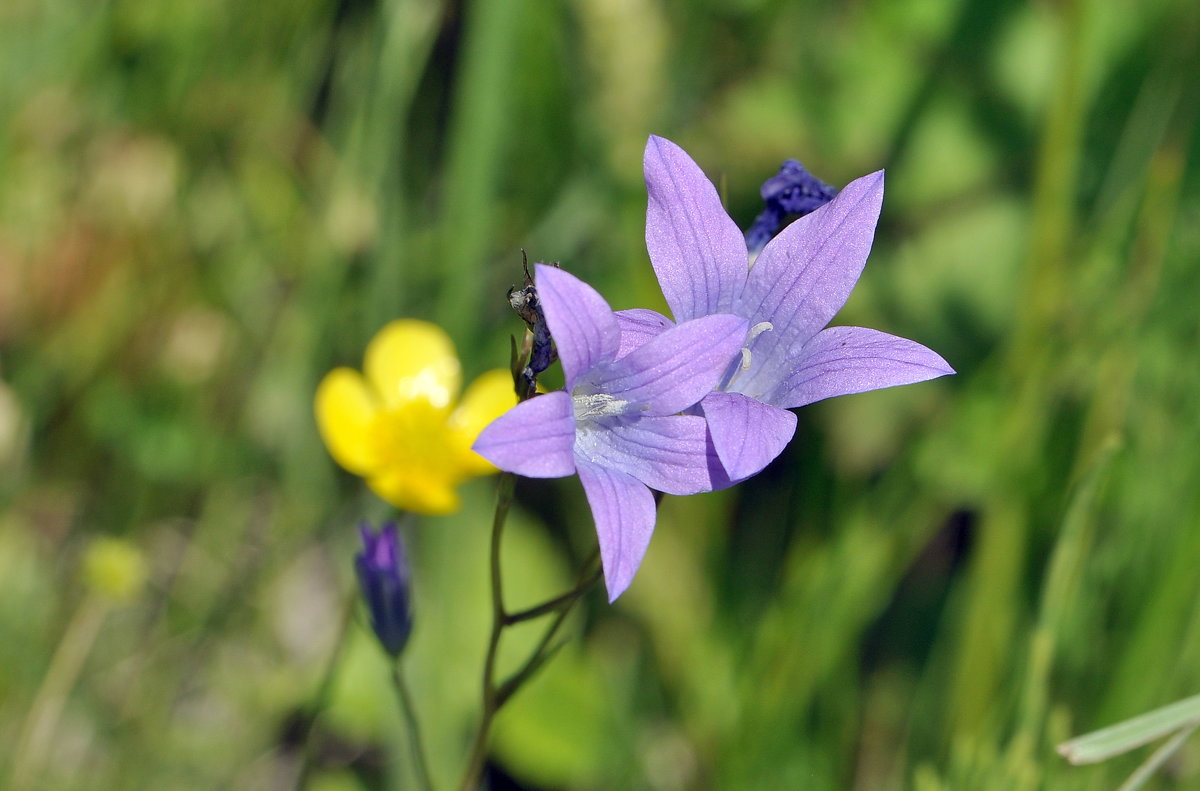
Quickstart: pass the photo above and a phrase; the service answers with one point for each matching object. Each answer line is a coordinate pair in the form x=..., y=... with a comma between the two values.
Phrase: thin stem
x=504, y=498
x=414, y=730
x=587, y=578
x=321, y=697
x=65, y=666
x=535, y=660
x=562, y=600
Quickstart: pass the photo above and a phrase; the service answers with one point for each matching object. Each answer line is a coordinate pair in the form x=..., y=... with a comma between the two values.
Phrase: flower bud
x=383, y=576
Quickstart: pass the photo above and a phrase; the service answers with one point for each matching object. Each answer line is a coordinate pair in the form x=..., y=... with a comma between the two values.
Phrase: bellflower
x=798, y=282
x=617, y=422
x=383, y=577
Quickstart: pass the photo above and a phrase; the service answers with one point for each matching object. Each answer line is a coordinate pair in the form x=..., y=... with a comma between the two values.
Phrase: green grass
x=205, y=206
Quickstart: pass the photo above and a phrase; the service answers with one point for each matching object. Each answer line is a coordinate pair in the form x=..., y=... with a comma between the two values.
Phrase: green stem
x=495, y=696
x=37, y=734
x=504, y=498
x=535, y=660
x=414, y=730
x=561, y=601
x=587, y=578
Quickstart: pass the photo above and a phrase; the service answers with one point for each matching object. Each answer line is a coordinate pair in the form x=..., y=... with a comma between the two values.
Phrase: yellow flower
x=396, y=424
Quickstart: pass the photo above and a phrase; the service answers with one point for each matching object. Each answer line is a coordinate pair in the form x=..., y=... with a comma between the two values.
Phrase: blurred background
x=206, y=205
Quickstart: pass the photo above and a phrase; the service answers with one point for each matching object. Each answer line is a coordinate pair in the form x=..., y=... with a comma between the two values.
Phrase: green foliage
x=207, y=205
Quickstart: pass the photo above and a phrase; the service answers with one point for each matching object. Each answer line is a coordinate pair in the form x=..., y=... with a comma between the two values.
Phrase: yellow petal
x=346, y=409
x=411, y=359
x=420, y=458
x=488, y=397
x=414, y=490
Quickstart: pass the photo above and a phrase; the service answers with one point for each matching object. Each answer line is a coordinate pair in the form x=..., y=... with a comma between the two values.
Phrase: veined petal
x=746, y=433
x=805, y=274
x=582, y=324
x=533, y=439
x=843, y=360
x=346, y=408
x=668, y=453
x=484, y=400
x=669, y=373
x=697, y=251
x=411, y=359
x=624, y=512
x=639, y=325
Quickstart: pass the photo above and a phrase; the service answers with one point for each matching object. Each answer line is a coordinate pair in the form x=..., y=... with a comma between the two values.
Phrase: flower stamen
x=747, y=358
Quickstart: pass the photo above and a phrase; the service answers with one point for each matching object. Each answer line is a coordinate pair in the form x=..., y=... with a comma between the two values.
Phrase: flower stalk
x=491, y=702
x=495, y=695
x=563, y=601
x=37, y=734
x=415, y=743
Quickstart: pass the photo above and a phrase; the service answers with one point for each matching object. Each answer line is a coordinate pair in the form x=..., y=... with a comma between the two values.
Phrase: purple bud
x=792, y=191
x=383, y=576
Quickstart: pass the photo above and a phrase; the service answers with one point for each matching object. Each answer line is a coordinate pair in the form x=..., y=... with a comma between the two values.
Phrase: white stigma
x=758, y=329
x=755, y=331
x=594, y=405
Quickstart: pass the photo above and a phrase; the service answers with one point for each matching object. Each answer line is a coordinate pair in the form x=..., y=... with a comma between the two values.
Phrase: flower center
x=589, y=406
x=414, y=441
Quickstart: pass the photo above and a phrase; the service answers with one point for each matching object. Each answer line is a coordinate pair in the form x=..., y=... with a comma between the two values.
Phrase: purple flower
x=383, y=577
x=616, y=423
x=795, y=286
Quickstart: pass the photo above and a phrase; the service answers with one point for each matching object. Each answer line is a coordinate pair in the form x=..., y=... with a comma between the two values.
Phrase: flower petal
x=746, y=433
x=410, y=359
x=624, y=512
x=697, y=251
x=582, y=324
x=668, y=453
x=416, y=489
x=533, y=439
x=671, y=372
x=485, y=399
x=805, y=274
x=346, y=409
x=843, y=360
x=639, y=325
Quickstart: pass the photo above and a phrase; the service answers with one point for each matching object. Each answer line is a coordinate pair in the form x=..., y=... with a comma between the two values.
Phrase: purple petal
x=669, y=453
x=624, y=512
x=805, y=274
x=533, y=439
x=746, y=433
x=639, y=325
x=669, y=373
x=697, y=251
x=843, y=360
x=581, y=322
